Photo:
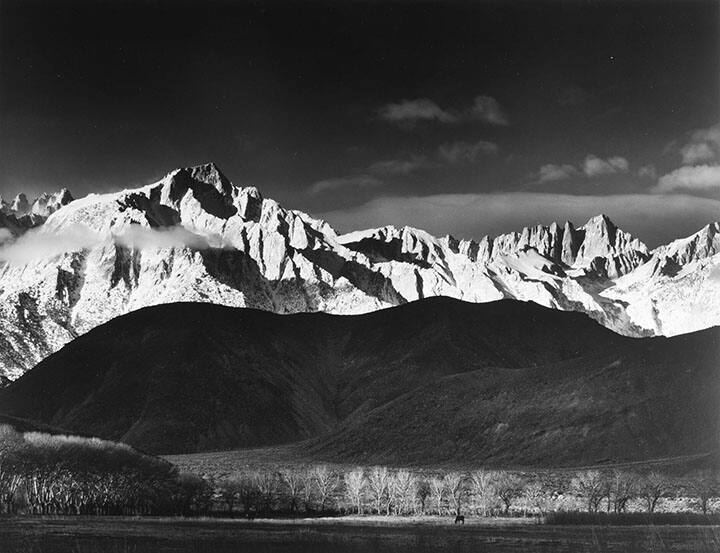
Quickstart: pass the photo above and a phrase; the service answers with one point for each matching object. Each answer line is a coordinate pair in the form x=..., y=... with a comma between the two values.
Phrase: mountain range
x=21, y=214
x=435, y=381
x=67, y=266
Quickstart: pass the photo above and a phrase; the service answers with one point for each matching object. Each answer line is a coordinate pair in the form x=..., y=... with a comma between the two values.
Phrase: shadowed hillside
x=430, y=381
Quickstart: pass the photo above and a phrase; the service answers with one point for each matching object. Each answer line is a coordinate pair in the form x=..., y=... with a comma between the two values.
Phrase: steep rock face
x=46, y=204
x=598, y=246
x=194, y=236
x=21, y=215
x=678, y=289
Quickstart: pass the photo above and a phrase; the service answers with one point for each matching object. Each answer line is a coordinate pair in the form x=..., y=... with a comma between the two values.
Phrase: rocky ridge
x=194, y=236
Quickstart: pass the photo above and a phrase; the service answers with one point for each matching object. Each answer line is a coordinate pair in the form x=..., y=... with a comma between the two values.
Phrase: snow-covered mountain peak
x=194, y=236
x=703, y=244
x=46, y=204
x=20, y=205
x=599, y=221
x=390, y=243
x=21, y=214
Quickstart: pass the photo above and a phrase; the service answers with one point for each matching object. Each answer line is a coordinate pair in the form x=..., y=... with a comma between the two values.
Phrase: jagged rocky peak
x=601, y=238
x=21, y=214
x=703, y=244
x=207, y=184
x=216, y=194
x=389, y=243
x=599, y=245
x=20, y=205
x=46, y=204
x=210, y=173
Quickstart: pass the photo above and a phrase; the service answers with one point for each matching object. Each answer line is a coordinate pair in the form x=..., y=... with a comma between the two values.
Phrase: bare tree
x=704, y=486
x=508, y=487
x=308, y=489
x=483, y=487
x=621, y=489
x=536, y=496
x=456, y=486
x=651, y=488
x=423, y=492
x=401, y=492
x=355, y=483
x=293, y=483
x=592, y=486
x=11, y=444
x=437, y=487
x=266, y=484
x=249, y=493
x=229, y=490
x=326, y=482
x=378, y=484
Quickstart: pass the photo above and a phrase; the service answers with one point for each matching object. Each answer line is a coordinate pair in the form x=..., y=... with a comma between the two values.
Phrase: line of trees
x=69, y=475
x=380, y=491
x=54, y=474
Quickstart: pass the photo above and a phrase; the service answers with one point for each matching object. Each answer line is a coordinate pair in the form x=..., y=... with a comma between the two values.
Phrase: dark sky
x=459, y=117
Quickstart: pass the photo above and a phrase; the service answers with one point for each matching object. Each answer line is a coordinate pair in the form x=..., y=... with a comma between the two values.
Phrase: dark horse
x=460, y=518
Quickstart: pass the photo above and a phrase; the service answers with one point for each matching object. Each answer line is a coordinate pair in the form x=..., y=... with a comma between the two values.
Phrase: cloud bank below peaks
x=654, y=219
x=37, y=244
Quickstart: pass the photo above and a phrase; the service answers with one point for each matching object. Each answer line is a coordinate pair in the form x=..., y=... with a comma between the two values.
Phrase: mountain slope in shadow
x=432, y=381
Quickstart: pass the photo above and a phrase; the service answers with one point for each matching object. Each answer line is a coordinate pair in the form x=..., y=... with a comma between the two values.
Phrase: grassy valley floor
x=167, y=535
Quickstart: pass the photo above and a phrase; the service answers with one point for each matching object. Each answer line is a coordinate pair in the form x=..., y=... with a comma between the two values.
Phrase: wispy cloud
x=697, y=178
x=702, y=146
x=412, y=111
x=487, y=109
x=594, y=166
x=371, y=176
x=552, y=172
x=408, y=113
x=647, y=172
x=349, y=181
x=138, y=237
x=35, y=244
x=402, y=166
x=457, y=152
x=40, y=244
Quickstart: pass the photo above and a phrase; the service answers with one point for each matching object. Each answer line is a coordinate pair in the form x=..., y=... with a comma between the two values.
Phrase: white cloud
x=703, y=146
x=697, y=153
x=456, y=152
x=594, y=166
x=551, y=172
x=400, y=166
x=702, y=178
x=409, y=112
x=35, y=244
x=350, y=181
x=654, y=218
x=487, y=109
x=647, y=172
x=138, y=237
x=39, y=244
x=412, y=111
x=5, y=235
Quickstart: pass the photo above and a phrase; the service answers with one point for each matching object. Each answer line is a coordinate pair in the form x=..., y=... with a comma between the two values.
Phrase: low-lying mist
x=39, y=243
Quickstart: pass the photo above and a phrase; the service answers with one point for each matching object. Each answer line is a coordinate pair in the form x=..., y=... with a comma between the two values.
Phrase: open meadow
x=168, y=535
